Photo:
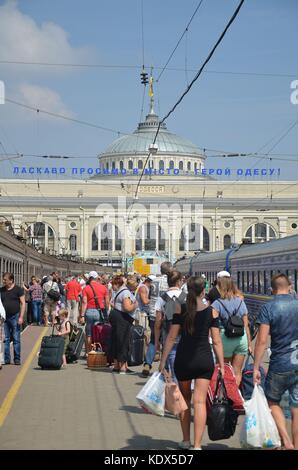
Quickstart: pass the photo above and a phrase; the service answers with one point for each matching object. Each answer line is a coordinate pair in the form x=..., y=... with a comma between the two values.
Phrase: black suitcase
x=136, y=346
x=51, y=352
x=75, y=346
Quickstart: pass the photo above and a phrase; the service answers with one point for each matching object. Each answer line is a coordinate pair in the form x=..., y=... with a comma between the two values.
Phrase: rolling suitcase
x=136, y=346
x=75, y=345
x=232, y=389
x=102, y=333
x=51, y=352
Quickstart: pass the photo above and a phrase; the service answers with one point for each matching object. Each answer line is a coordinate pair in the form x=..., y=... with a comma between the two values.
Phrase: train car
x=251, y=266
x=25, y=261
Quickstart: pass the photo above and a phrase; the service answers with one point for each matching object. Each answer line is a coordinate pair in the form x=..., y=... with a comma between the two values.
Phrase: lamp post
x=83, y=235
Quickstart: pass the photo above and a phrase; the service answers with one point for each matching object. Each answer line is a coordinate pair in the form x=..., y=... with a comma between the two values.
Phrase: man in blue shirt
x=279, y=318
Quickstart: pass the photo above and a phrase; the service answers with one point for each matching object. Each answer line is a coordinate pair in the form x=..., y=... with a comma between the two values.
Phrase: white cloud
x=43, y=98
x=22, y=39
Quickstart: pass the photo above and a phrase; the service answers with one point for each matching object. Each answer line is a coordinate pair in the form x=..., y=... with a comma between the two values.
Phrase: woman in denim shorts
x=231, y=300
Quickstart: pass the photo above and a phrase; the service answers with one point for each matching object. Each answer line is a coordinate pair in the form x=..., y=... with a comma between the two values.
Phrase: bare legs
x=200, y=412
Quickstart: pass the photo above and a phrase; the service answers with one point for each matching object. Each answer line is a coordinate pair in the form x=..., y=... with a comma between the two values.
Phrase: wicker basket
x=96, y=358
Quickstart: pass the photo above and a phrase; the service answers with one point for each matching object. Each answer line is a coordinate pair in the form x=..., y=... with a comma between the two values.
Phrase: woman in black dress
x=194, y=359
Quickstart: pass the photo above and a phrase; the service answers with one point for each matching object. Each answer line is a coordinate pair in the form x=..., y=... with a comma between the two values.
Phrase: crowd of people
x=186, y=328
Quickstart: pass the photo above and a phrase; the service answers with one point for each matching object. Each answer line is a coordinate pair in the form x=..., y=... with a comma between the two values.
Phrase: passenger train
x=251, y=267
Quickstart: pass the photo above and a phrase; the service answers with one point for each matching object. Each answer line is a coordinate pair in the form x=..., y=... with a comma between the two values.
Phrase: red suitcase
x=233, y=391
x=102, y=333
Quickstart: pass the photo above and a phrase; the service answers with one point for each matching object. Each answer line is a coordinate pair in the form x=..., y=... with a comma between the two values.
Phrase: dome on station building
x=170, y=151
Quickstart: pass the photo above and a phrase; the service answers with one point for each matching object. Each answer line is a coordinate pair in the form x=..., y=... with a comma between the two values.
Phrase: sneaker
x=146, y=370
x=197, y=448
x=129, y=371
x=184, y=445
x=115, y=370
x=17, y=363
x=122, y=372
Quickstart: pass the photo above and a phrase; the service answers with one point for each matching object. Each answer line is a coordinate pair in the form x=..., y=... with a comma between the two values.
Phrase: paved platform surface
x=78, y=408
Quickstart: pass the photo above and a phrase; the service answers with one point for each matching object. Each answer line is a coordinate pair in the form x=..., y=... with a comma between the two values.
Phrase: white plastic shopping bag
x=259, y=429
x=152, y=395
x=2, y=311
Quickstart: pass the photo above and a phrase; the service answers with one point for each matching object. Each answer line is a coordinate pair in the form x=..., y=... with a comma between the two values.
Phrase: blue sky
x=229, y=112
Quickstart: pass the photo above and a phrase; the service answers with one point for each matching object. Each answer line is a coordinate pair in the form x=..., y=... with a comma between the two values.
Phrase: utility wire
x=180, y=39
x=232, y=19
x=62, y=116
x=173, y=69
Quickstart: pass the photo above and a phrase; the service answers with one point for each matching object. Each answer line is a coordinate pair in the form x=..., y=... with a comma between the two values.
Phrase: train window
x=267, y=290
x=252, y=282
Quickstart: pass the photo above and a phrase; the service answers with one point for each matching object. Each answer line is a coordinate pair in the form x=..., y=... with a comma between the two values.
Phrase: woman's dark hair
x=174, y=277
x=195, y=286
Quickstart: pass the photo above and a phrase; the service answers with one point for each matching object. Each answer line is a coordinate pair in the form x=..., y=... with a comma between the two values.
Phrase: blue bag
x=247, y=384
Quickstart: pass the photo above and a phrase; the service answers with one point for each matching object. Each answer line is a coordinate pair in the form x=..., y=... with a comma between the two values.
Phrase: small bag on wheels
x=51, y=352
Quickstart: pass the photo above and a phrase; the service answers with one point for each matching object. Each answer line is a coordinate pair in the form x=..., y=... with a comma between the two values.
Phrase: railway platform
x=77, y=408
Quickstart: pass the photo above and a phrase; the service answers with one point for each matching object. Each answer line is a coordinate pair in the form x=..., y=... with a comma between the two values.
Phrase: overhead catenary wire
x=232, y=19
x=180, y=39
x=173, y=69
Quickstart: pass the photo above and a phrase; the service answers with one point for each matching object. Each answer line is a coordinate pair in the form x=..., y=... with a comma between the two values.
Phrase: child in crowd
x=64, y=330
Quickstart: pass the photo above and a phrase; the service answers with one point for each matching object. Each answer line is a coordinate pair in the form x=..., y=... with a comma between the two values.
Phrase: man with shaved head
x=279, y=319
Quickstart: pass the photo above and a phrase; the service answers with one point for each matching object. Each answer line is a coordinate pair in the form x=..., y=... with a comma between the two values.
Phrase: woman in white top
x=121, y=318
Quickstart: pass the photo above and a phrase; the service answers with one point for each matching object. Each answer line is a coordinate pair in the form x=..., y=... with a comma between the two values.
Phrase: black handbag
x=222, y=418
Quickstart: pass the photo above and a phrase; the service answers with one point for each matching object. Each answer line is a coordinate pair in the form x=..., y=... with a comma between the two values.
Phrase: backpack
x=234, y=326
x=169, y=308
x=53, y=294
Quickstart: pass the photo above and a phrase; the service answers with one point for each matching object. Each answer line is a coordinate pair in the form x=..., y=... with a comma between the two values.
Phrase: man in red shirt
x=95, y=299
x=73, y=289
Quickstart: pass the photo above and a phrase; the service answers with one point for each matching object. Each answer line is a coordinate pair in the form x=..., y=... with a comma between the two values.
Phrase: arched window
x=107, y=165
x=171, y=166
x=180, y=165
x=140, y=164
x=42, y=236
x=121, y=165
x=259, y=233
x=227, y=242
x=106, y=237
x=150, y=237
x=194, y=237
x=113, y=165
x=130, y=165
x=73, y=243
x=188, y=166
x=161, y=165
x=196, y=166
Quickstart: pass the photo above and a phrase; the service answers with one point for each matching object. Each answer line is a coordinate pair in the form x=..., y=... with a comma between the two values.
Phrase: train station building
x=177, y=209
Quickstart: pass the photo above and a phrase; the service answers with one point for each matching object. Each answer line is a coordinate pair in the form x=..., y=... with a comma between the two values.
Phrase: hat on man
x=223, y=274
x=93, y=274
x=151, y=277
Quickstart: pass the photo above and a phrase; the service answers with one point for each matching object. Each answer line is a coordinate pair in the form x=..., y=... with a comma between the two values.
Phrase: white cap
x=93, y=274
x=151, y=277
x=223, y=274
